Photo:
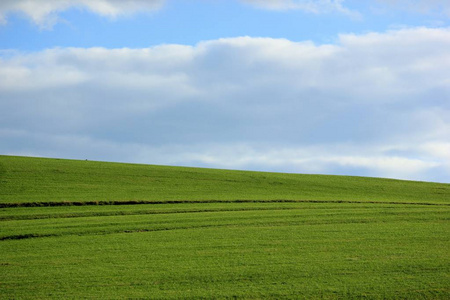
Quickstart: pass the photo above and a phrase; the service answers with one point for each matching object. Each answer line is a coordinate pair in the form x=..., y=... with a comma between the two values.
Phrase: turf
x=287, y=250
x=40, y=180
x=206, y=233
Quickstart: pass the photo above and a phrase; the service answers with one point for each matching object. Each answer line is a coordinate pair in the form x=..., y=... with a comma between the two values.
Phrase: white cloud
x=374, y=104
x=45, y=12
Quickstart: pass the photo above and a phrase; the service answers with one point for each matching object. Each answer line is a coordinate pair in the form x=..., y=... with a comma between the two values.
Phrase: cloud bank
x=376, y=104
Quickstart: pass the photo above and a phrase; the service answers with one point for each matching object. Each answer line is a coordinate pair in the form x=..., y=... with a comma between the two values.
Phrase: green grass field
x=28, y=180
x=204, y=233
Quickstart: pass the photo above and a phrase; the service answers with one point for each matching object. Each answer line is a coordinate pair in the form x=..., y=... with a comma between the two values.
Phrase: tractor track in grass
x=363, y=214
x=68, y=215
x=193, y=227
x=133, y=213
x=138, y=202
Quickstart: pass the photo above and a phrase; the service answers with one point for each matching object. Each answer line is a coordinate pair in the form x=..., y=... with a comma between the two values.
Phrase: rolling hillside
x=216, y=234
x=41, y=180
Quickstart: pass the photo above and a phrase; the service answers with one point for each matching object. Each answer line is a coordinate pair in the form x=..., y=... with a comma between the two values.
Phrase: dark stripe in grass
x=24, y=236
x=135, y=202
x=148, y=211
x=33, y=235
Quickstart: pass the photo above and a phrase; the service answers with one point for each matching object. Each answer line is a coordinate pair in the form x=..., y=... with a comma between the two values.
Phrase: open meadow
x=83, y=229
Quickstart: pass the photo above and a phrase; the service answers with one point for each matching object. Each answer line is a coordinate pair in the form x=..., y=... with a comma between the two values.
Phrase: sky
x=343, y=87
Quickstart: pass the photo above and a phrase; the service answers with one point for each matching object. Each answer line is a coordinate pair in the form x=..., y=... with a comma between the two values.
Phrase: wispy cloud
x=434, y=7
x=44, y=13
x=376, y=104
x=310, y=6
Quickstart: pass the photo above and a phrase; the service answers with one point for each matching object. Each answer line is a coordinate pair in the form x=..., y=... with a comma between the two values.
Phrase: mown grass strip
x=32, y=226
x=128, y=213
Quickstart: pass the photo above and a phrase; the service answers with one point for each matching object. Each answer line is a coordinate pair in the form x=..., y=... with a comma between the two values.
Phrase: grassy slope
x=25, y=179
x=262, y=250
x=226, y=250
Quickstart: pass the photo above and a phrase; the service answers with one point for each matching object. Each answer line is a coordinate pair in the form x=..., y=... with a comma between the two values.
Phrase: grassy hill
x=195, y=233
x=27, y=180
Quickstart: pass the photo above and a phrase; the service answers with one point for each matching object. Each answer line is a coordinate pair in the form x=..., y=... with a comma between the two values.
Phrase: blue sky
x=188, y=22
x=308, y=86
